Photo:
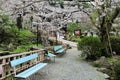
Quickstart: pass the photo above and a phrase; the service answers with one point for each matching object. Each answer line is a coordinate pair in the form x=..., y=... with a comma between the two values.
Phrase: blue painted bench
x=59, y=49
x=49, y=55
x=28, y=72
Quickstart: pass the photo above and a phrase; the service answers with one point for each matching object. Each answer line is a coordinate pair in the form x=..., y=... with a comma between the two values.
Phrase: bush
x=6, y=27
x=114, y=69
x=11, y=36
x=90, y=46
x=115, y=43
x=25, y=37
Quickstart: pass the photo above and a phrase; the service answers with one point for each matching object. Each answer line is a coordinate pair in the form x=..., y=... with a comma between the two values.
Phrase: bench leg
x=20, y=79
x=49, y=58
x=34, y=76
x=54, y=58
x=28, y=78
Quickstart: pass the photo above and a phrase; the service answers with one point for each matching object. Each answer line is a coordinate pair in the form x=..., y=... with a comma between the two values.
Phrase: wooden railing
x=6, y=70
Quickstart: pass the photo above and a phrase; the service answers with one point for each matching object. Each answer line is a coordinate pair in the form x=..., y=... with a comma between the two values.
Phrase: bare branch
x=91, y=18
x=115, y=14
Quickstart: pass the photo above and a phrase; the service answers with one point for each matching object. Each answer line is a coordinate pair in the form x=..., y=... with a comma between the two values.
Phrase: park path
x=69, y=67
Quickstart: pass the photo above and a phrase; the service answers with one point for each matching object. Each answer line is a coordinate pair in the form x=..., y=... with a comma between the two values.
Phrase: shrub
x=116, y=70
x=25, y=37
x=72, y=26
x=11, y=36
x=6, y=27
x=97, y=65
x=115, y=43
x=90, y=46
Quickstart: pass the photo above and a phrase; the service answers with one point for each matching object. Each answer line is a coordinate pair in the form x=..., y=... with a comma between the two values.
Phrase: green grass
x=1, y=51
x=97, y=65
x=76, y=39
x=9, y=78
x=112, y=59
x=24, y=48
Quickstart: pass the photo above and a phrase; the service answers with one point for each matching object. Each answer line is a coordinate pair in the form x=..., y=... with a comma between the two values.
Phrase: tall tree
x=6, y=26
x=102, y=15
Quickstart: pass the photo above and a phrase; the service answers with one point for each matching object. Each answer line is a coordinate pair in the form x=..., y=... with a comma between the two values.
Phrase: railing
x=6, y=70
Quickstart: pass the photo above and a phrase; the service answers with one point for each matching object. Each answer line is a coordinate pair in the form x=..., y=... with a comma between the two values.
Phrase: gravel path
x=69, y=67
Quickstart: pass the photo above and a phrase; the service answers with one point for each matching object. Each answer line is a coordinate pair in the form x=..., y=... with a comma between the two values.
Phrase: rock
x=102, y=61
x=106, y=76
x=10, y=46
x=114, y=53
x=104, y=70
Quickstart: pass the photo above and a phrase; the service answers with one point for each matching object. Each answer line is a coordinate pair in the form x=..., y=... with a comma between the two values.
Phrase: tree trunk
x=105, y=29
x=105, y=48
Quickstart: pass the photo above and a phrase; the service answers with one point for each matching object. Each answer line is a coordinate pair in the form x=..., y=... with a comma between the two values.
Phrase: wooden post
x=1, y=69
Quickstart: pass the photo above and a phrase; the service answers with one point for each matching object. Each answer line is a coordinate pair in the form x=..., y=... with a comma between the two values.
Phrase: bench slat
x=22, y=60
x=60, y=51
x=51, y=55
x=30, y=71
x=57, y=47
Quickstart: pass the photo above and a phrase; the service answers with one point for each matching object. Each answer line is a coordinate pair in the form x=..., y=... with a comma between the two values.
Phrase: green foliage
x=10, y=34
x=112, y=60
x=6, y=22
x=25, y=37
x=23, y=48
x=85, y=5
x=10, y=78
x=26, y=33
x=7, y=28
x=94, y=15
x=72, y=26
x=73, y=38
x=76, y=39
x=61, y=2
x=20, y=49
x=90, y=46
x=116, y=68
x=98, y=65
x=114, y=71
x=115, y=43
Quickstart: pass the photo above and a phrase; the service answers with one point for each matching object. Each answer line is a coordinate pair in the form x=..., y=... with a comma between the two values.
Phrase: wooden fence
x=6, y=70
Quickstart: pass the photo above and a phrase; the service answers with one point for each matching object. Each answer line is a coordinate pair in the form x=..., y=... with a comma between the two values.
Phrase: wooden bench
x=30, y=71
x=59, y=49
